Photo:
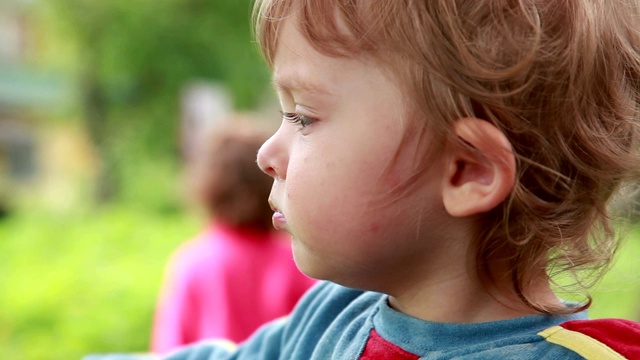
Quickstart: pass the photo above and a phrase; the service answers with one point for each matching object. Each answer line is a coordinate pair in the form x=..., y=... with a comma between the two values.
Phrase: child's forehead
x=296, y=60
x=324, y=24
x=288, y=81
x=299, y=65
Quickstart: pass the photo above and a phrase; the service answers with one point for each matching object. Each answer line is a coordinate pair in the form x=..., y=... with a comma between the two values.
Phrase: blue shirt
x=334, y=322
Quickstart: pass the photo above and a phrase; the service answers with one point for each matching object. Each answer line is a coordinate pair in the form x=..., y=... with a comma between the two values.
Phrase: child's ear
x=481, y=176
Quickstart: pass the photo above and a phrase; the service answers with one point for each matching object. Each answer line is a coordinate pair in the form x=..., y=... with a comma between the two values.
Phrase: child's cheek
x=396, y=176
x=399, y=172
x=392, y=181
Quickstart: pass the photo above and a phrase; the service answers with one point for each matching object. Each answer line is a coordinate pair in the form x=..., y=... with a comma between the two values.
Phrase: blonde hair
x=559, y=78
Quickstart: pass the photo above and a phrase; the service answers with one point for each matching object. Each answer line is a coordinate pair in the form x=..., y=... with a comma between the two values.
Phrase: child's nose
x=272, y=157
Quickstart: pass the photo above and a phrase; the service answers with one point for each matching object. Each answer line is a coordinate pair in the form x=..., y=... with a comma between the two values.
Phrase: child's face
x=331, y=174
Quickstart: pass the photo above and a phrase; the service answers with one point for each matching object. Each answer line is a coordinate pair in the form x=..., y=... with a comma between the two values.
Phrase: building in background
x=23, y=89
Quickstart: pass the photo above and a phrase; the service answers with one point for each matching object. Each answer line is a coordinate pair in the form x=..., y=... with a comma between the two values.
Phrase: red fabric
x=378, y=348
x=620, y=335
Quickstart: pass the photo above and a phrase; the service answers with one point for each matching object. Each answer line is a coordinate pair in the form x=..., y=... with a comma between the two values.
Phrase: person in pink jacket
x=238, y=273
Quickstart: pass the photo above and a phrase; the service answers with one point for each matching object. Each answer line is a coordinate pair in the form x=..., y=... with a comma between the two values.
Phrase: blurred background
x=101, y=102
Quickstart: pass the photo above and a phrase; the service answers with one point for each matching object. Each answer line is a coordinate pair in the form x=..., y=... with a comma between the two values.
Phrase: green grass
x=618, y=294
x=78, y=284
x=82, y=283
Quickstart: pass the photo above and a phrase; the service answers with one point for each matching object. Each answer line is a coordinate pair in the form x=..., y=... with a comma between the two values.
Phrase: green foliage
x=132, y=60
x=618, y=293
x=84, y=283
x=146, y=50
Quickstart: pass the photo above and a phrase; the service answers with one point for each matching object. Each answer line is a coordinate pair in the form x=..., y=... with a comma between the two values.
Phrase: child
x=238, y=273
x=440, y=163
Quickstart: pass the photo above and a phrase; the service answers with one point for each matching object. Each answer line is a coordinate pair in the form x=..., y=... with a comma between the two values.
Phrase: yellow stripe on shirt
x=584, y=345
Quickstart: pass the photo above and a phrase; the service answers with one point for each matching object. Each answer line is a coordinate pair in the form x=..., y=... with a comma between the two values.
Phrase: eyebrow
x=293, y=83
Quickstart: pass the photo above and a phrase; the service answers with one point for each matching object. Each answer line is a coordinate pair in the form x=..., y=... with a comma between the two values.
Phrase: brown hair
x=559, y=78
x=227, y=181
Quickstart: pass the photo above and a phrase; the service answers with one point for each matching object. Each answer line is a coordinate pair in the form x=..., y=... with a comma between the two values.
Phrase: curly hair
x=561, y=79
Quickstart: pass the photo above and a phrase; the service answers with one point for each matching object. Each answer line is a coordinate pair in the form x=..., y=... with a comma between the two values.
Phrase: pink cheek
x=397, y=175
x=393, y=181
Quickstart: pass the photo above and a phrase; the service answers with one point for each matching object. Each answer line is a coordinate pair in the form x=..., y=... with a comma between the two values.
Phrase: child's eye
x=295, y=118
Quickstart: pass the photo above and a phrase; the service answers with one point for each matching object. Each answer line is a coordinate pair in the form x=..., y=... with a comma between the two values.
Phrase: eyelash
x=298, y=119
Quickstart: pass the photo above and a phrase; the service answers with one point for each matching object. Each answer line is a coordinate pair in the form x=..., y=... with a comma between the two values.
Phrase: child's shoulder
x=574, y=336
x=597, y=338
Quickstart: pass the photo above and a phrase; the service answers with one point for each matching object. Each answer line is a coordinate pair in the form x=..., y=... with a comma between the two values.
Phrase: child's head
x=531, y=107
x=226, y=181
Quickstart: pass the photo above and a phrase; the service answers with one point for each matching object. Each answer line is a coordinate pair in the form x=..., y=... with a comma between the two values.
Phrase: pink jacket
x=225, y=283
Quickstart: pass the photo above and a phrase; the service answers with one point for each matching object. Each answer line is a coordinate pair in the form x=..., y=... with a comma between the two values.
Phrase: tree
x=134, y=56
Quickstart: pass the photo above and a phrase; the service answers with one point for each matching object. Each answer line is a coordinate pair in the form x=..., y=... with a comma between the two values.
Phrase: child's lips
x=279, y=221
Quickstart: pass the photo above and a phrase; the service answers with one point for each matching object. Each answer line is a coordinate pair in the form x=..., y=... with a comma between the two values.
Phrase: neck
x=458, y=298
